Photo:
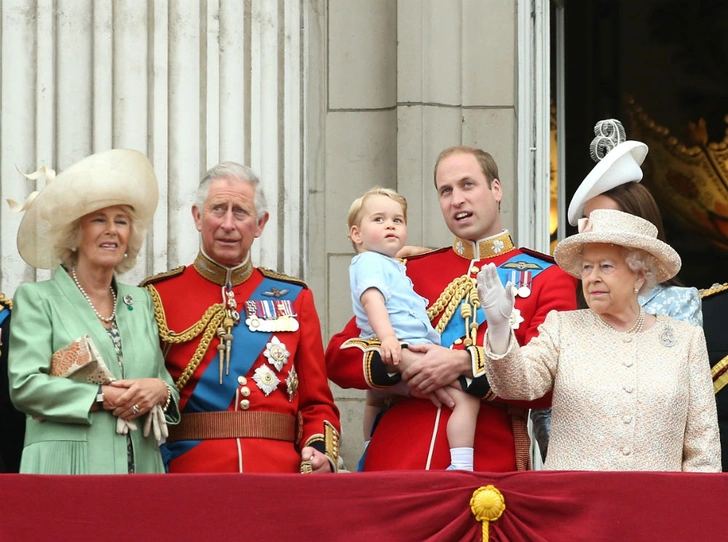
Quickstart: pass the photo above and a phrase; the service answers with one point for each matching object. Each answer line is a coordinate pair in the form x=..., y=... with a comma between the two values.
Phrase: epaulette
x=162, y=276
x=280, y=276
x=537, y=254
x=715, y=289
x=427, y=253
x=5, y=302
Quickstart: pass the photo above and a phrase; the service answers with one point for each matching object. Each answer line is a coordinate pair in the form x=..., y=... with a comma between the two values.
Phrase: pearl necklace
x=639, y=323
x=636, y=327
x=83, y=292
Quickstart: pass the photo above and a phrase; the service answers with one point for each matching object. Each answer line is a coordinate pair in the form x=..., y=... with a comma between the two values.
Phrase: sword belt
x=230, y=424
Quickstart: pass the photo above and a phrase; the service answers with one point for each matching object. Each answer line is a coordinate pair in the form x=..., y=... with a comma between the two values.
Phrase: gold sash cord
x=205, y=326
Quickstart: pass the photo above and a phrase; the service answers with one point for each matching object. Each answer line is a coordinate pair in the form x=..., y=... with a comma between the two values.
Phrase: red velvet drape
x=379, y=507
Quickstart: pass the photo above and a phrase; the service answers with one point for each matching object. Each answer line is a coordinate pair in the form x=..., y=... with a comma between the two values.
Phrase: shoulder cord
x=207, y=326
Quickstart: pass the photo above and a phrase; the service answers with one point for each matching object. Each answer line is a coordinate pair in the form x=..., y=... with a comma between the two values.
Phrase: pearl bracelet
x=169, y=398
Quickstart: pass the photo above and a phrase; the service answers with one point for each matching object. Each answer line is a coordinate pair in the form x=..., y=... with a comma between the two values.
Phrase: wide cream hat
x=104, y=179
x=618, y=162
x=621, y=229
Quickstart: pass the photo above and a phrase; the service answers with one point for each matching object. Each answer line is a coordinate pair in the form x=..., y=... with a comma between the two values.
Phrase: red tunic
x=185, y=298
x=405, y=433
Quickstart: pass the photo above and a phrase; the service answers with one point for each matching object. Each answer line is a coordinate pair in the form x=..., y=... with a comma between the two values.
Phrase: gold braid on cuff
x=477, y=356
x=331, y=439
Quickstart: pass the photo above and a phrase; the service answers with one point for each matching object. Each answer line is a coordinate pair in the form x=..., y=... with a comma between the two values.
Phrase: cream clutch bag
x=81, y=361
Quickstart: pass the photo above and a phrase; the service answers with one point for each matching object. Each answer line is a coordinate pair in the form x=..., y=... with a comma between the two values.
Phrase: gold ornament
x=487, y=504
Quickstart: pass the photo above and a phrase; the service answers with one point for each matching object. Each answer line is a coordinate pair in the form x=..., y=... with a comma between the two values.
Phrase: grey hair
x=639, y=260
x=233, y=172
x=68, y=238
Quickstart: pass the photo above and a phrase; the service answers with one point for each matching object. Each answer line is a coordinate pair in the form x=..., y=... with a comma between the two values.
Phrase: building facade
x=322, y=98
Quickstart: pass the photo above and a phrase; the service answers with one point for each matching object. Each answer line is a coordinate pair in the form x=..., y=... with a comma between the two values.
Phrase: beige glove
x=157, y=424
x=123, y=426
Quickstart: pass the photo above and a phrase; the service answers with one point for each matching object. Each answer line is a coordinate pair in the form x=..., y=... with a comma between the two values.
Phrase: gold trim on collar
x=490, y=247
x=214, y=272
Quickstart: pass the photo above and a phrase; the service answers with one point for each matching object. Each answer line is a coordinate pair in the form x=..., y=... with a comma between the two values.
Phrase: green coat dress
x=48, y=316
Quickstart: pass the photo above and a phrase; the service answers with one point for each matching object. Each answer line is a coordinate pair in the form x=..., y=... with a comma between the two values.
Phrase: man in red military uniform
x=244, y=347
x=411, y=433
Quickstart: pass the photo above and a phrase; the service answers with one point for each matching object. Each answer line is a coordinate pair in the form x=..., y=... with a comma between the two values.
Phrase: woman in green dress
x=89, y=224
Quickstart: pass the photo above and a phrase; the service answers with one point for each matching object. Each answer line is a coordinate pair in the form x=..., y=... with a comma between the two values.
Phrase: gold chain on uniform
x=461, y=288
x=207, y=326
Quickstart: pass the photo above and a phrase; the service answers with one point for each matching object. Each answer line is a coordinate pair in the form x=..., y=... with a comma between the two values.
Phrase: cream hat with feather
x=104, y=179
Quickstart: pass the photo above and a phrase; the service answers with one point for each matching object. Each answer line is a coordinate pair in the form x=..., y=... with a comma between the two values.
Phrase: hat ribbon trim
x=43, y=171
x=585, y=225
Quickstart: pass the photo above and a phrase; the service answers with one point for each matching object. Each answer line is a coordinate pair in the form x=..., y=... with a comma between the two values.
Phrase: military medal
x=251, y=320
x=284, y=309
x=271, y=315
x=292, y=384
x=524, y=288
x=522, y=281
x=276, y=353
x=266, y=379
x=524, y=291
x=289, y=324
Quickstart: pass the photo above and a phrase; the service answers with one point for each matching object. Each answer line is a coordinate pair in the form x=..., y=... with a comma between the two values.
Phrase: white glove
x=497, y=303
x=123, y=426
x=157, y=424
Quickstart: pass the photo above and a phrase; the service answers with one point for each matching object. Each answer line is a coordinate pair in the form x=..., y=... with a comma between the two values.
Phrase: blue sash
x=211, y=396
x=455, y=328
x=4, y=314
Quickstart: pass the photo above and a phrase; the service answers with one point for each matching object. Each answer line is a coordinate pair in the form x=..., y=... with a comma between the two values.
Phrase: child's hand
x=391, y=351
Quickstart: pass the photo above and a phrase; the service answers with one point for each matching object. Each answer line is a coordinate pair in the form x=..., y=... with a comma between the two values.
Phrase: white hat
x=105, y=179
x=621, y=229
x=618, y=162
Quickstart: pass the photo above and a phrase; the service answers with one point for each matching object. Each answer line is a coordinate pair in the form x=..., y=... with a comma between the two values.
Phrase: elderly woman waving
x=85, y=361
x=631, y=391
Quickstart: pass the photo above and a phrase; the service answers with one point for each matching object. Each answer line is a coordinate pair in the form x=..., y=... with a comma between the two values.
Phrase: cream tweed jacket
x=621, y=401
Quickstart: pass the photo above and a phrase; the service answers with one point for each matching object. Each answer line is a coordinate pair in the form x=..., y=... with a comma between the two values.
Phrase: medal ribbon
x=268, y=309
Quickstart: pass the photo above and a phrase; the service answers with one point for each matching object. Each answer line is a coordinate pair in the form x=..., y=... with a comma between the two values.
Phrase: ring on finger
x=135, y=409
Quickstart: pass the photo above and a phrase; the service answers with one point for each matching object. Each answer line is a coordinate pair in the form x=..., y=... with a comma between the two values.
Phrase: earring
x=74, y=249
x=126, y=256
x=636, y=290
